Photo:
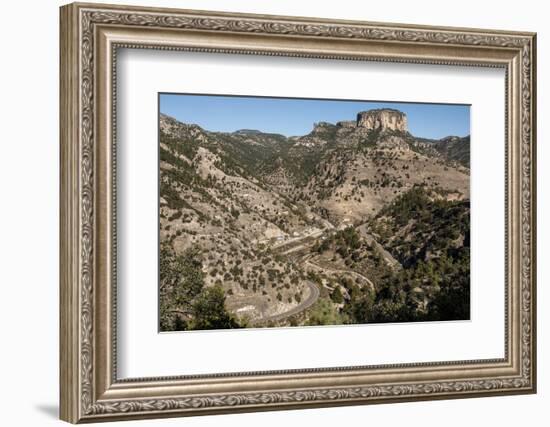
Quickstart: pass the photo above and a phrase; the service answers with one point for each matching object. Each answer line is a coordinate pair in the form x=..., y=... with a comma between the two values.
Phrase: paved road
x=296, y=241
x=305, y=304
x=335, y=270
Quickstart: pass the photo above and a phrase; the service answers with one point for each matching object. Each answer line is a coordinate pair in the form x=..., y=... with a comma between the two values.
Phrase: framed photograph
x=266, y=212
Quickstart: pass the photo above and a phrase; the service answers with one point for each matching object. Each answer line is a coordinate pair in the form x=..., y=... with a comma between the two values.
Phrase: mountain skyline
x=296, y=117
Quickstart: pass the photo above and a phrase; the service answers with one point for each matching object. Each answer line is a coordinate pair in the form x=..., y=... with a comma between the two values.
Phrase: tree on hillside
x=336, y=296
x=323, y=312
x=185, y=302
x=209, y=311
x=181, y=280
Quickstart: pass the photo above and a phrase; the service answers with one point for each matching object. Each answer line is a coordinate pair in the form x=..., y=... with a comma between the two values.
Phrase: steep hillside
x=300, y=230
x=430, y=237
x=455, y=148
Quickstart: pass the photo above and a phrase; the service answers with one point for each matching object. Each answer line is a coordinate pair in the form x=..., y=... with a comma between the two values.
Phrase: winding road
x=298, y=244
x=304, y=305
x=340, y=271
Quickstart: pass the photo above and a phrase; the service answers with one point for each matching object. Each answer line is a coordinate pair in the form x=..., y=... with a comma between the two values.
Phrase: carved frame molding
x=90, y=36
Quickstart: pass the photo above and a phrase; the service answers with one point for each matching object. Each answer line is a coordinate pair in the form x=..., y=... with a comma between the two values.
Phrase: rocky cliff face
x=383, y=119
x=378, y=127
x=347, y=124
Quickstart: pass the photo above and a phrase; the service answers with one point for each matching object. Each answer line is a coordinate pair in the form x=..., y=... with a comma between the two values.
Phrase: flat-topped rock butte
x=382, y=119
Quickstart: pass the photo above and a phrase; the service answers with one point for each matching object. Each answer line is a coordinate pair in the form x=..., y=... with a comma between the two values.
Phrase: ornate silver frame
x=90, y=36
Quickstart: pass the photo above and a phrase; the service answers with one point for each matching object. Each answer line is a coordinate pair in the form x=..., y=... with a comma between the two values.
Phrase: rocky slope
x=260, y=205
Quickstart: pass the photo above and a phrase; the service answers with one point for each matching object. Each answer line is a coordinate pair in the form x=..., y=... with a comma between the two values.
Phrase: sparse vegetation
x=343, y=225
x=185, y=303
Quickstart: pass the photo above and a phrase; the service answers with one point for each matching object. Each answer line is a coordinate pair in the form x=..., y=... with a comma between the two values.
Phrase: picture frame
x=91, y=36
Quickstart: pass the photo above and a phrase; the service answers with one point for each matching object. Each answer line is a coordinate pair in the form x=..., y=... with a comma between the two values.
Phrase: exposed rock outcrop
x=347, y=124
x=384, y=122
x=393, y=142
x=322, y=127
x=382, y=119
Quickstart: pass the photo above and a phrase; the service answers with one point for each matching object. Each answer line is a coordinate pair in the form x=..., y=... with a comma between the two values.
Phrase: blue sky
x=292, y=117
